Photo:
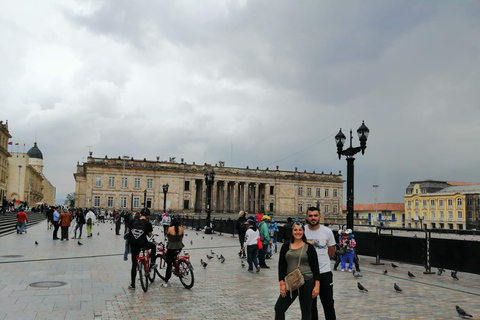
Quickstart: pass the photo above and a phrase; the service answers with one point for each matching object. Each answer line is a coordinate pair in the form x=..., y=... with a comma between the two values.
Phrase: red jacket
x=22, y=216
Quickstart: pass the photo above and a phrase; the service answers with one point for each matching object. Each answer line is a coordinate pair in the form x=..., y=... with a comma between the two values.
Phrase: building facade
x=26, y=181
x=442, y=204
x=119, y=183
x=4, y=155
x=388, y=214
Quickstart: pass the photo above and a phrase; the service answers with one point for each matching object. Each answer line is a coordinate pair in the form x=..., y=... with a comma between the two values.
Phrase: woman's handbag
x=294, y=280
x=259, y=244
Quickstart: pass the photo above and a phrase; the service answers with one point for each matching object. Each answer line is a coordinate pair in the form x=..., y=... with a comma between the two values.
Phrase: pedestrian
x=174, y=235
x=118, y=223
x=126, y=220
x=64, y=220
x=166, y=220
x=22, y=220
x=266, y=241
x=90, y=220
x=138, y=230
x=49, y=217
x=251, y=244
x=347, y=243
x=338, y=252
x=298, y=253
x=241, y=230
x=287, y=231
x=323, y=240
x=273, y=230
x=80, y=219
x=55, y=221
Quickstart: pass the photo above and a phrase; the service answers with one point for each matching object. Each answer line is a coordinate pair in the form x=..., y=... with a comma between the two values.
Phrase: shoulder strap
x=301, y=253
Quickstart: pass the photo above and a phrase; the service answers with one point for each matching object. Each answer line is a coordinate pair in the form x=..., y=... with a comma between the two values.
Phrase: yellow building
x=442, y=204
x=4, y=155
x=126, y=183
x=388, y=214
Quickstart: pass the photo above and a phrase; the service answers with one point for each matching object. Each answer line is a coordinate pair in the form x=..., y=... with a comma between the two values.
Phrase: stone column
x=234, y=197
x=214, y=195
x=225, y=196
x=267, y=197
x=245, y=197
x=204, y=197
x=193, y=194
x=257, y=197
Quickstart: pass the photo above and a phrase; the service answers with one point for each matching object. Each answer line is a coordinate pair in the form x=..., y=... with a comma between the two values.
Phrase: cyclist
x=138, y=230
x=174, y=245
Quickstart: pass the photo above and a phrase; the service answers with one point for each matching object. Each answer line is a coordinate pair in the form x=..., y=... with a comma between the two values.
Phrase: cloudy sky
x=252, y=83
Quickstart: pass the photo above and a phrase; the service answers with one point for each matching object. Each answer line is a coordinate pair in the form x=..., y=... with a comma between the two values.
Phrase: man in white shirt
x=323, y=240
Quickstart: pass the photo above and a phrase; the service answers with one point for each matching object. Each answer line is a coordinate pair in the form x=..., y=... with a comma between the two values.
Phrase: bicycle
x=182, y=268
x=143, y=267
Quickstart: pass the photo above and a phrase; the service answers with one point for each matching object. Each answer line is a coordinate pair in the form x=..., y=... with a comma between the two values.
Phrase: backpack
x=137, y=235
x=89, y=221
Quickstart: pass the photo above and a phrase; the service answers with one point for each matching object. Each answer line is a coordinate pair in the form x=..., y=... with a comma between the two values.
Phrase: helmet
x=175, y=217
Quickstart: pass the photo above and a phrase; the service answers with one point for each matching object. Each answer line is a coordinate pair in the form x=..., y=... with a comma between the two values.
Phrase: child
x=348, y=243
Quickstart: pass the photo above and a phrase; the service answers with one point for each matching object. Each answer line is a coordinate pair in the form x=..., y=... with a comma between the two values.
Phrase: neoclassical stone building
x=123, y=183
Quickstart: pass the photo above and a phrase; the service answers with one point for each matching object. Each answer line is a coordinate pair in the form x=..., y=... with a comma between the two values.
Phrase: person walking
x=90, y=220
x=166, y=220
x=298, y=253
x=265, y=237
x=348, y=244
x=22, y=220
x=241, y=230
x=287, y=231
x=55, y=221
x=118, y=223
x=323, y=240
x=64, y=219
x=80, y=219
x=251, y=244
x=174, y=245
x=138, y=230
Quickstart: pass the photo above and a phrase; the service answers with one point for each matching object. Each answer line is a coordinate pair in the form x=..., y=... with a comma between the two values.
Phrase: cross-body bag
x=294, y=280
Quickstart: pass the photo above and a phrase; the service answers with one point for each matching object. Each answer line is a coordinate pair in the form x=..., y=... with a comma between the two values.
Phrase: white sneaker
x=165, y=285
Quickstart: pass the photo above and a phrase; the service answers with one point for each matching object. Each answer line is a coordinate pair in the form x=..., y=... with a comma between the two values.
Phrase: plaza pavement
x=97, y=278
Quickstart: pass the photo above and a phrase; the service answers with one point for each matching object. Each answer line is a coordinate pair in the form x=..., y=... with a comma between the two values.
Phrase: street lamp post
x=362, y=132
x=131, y=202
x=209, y=179
x=376, y=207
x=19, y=173
x=145, y=199
x=165, y=191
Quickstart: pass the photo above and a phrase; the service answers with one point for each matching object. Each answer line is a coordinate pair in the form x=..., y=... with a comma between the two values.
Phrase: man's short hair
x=310, y=209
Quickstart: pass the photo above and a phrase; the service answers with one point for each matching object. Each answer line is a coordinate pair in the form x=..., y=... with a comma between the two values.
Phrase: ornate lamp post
x=362, y=132
x=145, y=199
x=209, y=179
x=165, y=191
x=131, y=202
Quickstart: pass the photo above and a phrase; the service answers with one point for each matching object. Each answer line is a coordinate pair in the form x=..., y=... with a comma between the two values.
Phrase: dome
x=34, y=152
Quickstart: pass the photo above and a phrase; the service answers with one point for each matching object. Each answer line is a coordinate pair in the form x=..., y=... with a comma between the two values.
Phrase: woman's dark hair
x=304, y=238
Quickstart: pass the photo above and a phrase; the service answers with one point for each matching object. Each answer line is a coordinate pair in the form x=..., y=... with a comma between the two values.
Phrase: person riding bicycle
x=174, y=245
x=138, y=230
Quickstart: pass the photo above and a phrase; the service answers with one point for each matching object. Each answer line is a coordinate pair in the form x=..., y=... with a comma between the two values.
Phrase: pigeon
x=98, y=233
x=186, y=235
x=211, y=238
x=79, y=243
x=440, y=271
x=394, y=265
x=111, y=228
x=462, y=312
x=356, y=274
x=397, y=288
x=385, y=271
x=220, y=257
x=196, y=233
x=191, y=242
x=36, y=242
x=203, y=237
x=211, y=251
x=222, y=260
x=361, y=288
x=243, y=264
x=454, y=275
x=411, y=275
x=209, y=257
x=204, y=264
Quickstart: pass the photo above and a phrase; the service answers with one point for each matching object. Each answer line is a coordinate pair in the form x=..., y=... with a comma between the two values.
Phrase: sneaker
x=131, y=287
x=165, y=285
x=251, y=271
x=258, y=269
x=343, y=270
x=265, y=267
x=349, y=270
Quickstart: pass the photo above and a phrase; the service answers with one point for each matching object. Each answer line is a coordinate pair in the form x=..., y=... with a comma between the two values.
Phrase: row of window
x=318, y=192
x=326, y=207
x=123, y=202
x=440, y=215
x=440, y=203
x=136, y=183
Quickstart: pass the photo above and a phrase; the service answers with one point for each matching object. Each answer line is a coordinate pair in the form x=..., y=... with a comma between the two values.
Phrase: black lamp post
x=349, y=153
x=131, y=202
x=209, y=178
x=165, y=191
x=145, y=199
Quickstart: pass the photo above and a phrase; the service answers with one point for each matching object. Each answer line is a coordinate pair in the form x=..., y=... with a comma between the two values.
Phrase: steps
x=8, y=222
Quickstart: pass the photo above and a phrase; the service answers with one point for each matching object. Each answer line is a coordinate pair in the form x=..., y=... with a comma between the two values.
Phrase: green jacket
x=263, y=229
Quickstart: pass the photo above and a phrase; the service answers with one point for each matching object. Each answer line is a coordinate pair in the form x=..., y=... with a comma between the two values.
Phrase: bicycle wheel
x=161, y=268
x=152, y=274
x=186, y=274
x=142, y=275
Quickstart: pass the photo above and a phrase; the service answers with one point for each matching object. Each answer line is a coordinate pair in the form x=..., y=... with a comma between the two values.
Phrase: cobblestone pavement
x=97, y=278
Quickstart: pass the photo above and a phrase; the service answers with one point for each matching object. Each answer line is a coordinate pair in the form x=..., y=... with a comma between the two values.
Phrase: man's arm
x=331, y=251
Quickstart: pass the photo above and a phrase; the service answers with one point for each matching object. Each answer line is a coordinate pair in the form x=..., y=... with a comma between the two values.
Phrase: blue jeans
x=20, y=227
x=252, y=251
x=347, y=256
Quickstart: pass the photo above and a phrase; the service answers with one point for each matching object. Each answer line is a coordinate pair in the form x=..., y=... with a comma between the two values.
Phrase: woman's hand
x=283, y=291
x=315, y=292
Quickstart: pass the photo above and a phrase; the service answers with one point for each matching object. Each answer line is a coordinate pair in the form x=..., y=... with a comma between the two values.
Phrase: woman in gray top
x=291, y=252
x=175, y=236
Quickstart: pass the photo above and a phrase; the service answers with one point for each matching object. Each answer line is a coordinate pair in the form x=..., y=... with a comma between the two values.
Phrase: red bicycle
x=143, y=265
x=182, y=268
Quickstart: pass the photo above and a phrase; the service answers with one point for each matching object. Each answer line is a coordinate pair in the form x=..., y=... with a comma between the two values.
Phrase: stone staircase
x=8, y=222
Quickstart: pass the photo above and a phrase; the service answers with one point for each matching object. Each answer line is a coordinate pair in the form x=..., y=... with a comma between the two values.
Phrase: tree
x=70, y=202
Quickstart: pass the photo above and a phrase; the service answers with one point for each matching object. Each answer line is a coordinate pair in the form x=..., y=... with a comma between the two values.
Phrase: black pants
x=79, y=226
x=241, y=239
x=55, y=229
x=117, y=228
x=135, y=250
x=171, y=254
x=326, y=297
x=305, y=299
x=64, y=233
